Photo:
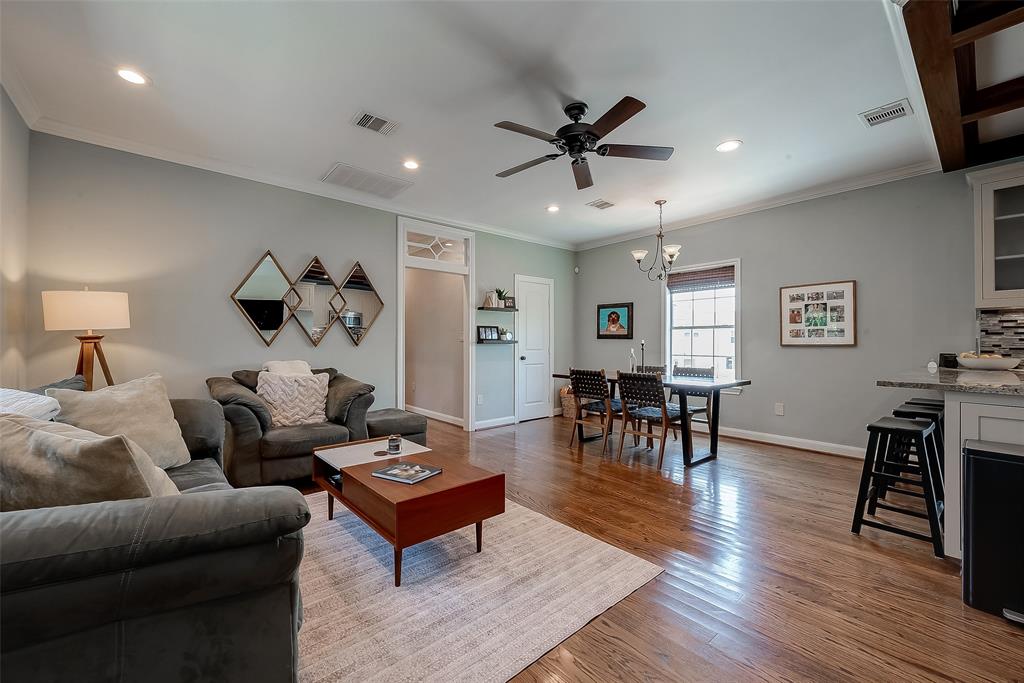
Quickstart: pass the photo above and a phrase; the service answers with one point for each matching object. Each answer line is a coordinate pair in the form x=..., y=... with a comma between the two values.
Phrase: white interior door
x=535, y=299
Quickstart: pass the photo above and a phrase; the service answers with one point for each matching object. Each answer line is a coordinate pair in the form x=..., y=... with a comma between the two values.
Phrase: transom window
x=701, y=308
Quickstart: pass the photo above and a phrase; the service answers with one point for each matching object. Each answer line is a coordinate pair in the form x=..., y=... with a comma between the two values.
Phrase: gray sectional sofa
x=198, y=587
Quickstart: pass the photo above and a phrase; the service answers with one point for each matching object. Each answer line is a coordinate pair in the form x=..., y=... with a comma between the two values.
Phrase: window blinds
x=698, y=280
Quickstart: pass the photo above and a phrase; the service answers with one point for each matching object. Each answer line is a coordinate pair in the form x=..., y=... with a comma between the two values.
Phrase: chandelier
x=666, y=253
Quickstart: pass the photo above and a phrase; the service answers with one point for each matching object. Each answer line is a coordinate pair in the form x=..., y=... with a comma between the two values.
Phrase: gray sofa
x=257, y=452
x=197, y=587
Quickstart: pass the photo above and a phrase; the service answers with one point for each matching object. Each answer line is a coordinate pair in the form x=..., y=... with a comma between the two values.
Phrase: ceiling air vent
x=600, y=204
x=362, y=180
x=893, y=110
x=378, y=124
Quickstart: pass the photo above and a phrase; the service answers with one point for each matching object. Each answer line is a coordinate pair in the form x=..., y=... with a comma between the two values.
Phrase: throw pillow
x=77, y=382
x=294, y=399
x=288, y=367
x=250, y=378
x=138, y=409
x=47, y=464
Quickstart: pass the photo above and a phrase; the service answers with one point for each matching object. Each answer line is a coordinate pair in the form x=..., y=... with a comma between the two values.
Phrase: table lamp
x=87, y=310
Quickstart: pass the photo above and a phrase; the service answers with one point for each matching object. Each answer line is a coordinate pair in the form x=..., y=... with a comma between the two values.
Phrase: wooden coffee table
x=407, y=514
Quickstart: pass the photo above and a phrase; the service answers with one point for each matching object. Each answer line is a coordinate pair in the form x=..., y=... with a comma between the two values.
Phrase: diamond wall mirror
x=266, y=298
x=361, y=304
x=320, y=303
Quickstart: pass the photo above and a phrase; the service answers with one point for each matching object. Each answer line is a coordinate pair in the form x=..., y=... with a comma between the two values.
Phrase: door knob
x=522, y=357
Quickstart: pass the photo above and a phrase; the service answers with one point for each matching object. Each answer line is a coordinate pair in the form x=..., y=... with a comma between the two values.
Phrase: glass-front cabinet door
x=999, y=226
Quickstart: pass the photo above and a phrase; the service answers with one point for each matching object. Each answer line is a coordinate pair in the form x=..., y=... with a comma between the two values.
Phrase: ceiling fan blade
x=581, y=171
x=529, y=164
x=636, y=152
x=627, y=108
x=526, y=130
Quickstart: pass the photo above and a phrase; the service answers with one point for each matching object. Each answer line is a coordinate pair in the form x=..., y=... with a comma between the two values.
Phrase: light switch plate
x=780, y=408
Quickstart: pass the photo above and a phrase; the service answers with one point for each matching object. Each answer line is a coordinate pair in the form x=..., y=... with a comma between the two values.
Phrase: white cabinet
x=973, y=416
x=999, y=236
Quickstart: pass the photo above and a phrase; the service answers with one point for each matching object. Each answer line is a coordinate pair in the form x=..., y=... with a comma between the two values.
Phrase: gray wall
x=499, y=259
x=179, y=240
x=434, y=340
x=909, y=245
x=14, y=164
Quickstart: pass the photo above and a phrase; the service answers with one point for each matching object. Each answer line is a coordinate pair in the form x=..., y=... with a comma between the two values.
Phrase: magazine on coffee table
x=406, y=472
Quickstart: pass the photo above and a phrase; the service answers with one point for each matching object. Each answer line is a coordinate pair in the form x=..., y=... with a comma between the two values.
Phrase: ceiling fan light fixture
x=411, y=164
x=728, y=145
x=132, y=76
x=553, y=208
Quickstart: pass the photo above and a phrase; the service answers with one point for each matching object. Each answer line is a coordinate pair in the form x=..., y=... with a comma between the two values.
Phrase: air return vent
x=889, y=112
x=378, y=124
x=360, y=179
x=600, y=204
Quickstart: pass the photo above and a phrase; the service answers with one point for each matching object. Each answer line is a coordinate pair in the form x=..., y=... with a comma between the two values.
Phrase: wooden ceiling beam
x=995, y=99
x=990, y=17
x=997, y=150
x=929, y=27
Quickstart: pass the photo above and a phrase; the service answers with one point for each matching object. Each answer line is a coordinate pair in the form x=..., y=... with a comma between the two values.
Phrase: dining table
x=684, y=386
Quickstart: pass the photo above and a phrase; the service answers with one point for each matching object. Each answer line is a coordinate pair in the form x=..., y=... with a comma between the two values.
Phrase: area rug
x=459, y=615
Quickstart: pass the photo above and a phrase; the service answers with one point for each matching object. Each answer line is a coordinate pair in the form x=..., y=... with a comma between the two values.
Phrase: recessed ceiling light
x=729, y=145
x=411, y=164
x=132, y=76
x=552, y=209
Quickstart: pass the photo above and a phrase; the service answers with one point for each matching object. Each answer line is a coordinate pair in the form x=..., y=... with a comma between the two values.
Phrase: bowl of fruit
x=986, y=361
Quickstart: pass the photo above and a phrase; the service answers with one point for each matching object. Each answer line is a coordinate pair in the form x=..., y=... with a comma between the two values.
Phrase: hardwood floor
x=763, y=579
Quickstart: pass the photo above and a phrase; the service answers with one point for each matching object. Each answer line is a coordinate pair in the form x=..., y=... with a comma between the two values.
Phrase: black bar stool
x=936, y=416
x=933, y=402
x=880, y=473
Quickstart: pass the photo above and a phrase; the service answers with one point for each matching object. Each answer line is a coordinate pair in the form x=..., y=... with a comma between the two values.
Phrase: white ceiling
x=267, y=91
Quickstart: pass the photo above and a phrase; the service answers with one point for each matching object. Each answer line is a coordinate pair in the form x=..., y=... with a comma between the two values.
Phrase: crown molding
x=23, y=101
x=817, y=192
x=46, y=124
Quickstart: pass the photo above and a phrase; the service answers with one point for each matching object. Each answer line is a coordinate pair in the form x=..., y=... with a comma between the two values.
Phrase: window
x=701, y=313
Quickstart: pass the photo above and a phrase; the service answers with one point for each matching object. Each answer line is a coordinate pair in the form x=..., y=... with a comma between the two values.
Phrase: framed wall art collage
x=819, y=314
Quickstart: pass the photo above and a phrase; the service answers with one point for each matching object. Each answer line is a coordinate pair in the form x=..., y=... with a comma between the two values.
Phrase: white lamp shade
x=639, y=254
x=85, y=310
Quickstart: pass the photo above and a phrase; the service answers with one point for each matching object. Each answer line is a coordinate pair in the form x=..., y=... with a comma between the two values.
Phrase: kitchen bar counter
x=980, y=404
x=1004, y=382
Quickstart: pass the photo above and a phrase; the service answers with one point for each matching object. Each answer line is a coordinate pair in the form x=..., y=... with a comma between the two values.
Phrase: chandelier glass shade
x=665, y=254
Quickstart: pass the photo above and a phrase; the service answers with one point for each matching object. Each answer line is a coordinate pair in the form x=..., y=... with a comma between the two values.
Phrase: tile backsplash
x=1002, y=331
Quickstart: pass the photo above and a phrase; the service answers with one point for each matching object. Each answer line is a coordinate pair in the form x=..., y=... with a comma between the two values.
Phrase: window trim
x=666, y=313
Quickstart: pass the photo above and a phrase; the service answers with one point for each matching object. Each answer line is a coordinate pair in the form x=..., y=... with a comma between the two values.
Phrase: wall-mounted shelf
x=497, y=308
x=496, y=341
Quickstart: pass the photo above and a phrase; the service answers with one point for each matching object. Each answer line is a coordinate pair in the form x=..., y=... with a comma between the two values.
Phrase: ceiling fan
x=577, y=139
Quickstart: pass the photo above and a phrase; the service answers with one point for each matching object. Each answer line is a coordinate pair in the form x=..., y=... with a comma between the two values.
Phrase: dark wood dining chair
x=643, y=400
x=591, y=395
x=699, y=413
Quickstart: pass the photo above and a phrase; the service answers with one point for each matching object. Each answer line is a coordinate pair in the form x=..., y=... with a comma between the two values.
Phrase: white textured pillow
x=288, y=367
x=27, y=403
x=47, y=464
x=294, y=399
x=138, y=409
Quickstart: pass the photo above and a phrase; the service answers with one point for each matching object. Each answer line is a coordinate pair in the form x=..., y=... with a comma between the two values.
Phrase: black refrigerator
x=993, y=567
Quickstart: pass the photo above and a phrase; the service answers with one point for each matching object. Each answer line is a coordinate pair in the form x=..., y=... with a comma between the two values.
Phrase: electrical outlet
x=479, y=399
x=780, y=408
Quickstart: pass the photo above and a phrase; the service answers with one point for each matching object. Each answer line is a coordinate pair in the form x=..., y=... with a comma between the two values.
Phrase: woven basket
x=568, y=402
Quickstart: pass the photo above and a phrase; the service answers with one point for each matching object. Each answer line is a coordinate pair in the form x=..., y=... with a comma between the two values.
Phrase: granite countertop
x=1007, y=382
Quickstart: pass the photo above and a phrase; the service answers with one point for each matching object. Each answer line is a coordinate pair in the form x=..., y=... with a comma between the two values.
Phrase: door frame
x=468, y=271
x=519, y=278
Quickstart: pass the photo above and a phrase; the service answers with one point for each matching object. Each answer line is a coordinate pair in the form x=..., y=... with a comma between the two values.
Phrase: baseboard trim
x=789, y=441
x=495, y=422
x=434, y=415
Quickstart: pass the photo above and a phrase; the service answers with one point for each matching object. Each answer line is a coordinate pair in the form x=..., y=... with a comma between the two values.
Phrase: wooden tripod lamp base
x=89, y=350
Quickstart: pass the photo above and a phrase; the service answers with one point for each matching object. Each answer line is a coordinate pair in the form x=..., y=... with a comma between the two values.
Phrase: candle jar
x=394, y=444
